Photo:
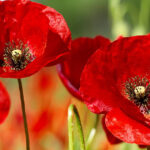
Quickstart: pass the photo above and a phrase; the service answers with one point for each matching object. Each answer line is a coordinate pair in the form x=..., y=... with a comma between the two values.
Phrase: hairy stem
x=24, y=115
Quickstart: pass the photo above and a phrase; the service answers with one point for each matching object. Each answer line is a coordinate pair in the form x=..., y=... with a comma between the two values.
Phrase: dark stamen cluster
x=17, y=55
x=138, y=91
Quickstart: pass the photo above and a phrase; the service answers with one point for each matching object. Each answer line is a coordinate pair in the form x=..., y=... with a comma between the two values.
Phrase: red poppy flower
x=81, y=50
x=32, y=35
x=4, y=103
x=117, y=82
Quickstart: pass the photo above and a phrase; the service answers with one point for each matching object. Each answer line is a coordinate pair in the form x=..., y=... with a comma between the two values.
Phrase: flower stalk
x=72, y=111
x=24, y=114
x=148, y=147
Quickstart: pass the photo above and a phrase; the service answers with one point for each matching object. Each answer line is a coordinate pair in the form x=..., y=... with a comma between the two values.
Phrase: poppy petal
x=126, y=128
x=71, y=69
x=112, y=139
x=97, y=85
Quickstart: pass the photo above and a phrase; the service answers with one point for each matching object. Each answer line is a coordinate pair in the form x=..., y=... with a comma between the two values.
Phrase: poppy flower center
x=16, y=56
x=140, y=91
x=137, y=90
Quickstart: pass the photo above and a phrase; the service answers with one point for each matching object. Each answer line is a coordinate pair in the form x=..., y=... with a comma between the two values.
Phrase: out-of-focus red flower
x=32, y=36
x=4, y=103
x=117, y=82
x=70, y=70
x=43, y=82
x=44, y=121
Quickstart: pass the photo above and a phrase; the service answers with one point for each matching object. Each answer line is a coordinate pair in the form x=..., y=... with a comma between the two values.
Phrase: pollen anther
x=139, y=91
x=16, y=55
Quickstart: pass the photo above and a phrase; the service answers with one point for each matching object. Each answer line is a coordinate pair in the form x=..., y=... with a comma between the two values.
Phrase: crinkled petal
x=97, y=85
x=127, y=129
x=44, y=35
x=112, y=139
x=129, y=58
x=11, y=14
x=70, y=70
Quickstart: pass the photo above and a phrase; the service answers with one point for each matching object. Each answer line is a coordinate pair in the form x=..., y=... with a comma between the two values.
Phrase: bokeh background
x=47, y=99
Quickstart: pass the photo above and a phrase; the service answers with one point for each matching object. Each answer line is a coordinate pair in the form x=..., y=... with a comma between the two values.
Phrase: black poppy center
x=138, y=91
x=17, y=56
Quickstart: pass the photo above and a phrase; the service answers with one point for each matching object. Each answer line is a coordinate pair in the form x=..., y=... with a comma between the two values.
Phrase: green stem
x=73, y=110
x=92, y=133
x=24, y=115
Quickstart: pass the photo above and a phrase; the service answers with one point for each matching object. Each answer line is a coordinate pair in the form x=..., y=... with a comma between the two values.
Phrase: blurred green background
x=110, y=18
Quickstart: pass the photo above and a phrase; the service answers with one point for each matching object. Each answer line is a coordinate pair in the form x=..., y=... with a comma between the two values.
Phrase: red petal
x=130, y=57
x=112, y=139
x=51, y=36
x=127, y=129
x=97, y=85
x=82, y=49
x=4, y=103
